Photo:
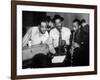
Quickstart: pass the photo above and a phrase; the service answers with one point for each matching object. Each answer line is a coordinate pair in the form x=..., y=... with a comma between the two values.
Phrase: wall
x=5, y=40
x=69, y=17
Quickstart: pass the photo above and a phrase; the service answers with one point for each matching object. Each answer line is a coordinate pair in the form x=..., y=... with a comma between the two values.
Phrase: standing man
x=85, y=40
x=59, y=36
x=84, y=26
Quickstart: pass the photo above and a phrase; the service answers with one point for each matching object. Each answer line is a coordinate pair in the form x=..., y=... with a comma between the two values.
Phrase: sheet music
x=58, y=59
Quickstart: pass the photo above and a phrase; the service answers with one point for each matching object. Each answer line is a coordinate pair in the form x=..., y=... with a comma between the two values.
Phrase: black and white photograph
x=51, y=40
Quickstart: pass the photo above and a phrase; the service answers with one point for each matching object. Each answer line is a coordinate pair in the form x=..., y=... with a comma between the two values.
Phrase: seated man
x=59, y=41
x=59, y=36
x=35, y=36
x=80, y=44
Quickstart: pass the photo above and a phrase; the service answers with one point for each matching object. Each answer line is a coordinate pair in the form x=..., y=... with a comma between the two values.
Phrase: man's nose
x=44, y=29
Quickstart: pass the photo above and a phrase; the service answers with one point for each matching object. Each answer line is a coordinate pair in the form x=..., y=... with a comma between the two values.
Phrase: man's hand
x=63, y=42
x=52, y=51
x=76, y=45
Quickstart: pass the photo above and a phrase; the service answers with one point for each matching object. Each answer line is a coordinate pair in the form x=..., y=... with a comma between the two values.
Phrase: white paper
x=58, y=59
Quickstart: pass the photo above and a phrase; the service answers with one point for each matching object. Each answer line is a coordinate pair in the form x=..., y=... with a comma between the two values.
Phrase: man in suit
x=80, y=43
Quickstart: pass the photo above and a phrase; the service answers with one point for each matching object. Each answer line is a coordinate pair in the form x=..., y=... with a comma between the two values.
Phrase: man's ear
x=39, y=28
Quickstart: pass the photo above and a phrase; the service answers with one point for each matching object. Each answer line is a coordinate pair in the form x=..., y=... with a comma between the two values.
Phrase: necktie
x=60, y=38
x=60, y=41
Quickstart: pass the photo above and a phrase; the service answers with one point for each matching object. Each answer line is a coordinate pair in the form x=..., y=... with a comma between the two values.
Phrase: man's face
x=51, y=24
x=83, y=24
x=43, y=27
x=75, y=26
x=58, y=23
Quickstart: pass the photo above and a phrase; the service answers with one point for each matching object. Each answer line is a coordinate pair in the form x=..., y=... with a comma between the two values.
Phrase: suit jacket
x=81, y=37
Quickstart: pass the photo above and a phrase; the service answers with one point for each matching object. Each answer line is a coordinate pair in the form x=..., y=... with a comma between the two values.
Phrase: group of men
x=62, y=40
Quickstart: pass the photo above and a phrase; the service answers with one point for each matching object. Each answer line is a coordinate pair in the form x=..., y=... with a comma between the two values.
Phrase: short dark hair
x=42, y=20
x=58, y=17
x=48, y=19
x=76, y=20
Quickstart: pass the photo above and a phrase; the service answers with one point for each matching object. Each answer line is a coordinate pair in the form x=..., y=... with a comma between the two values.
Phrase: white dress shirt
x=35, y=36
x=54, y=37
